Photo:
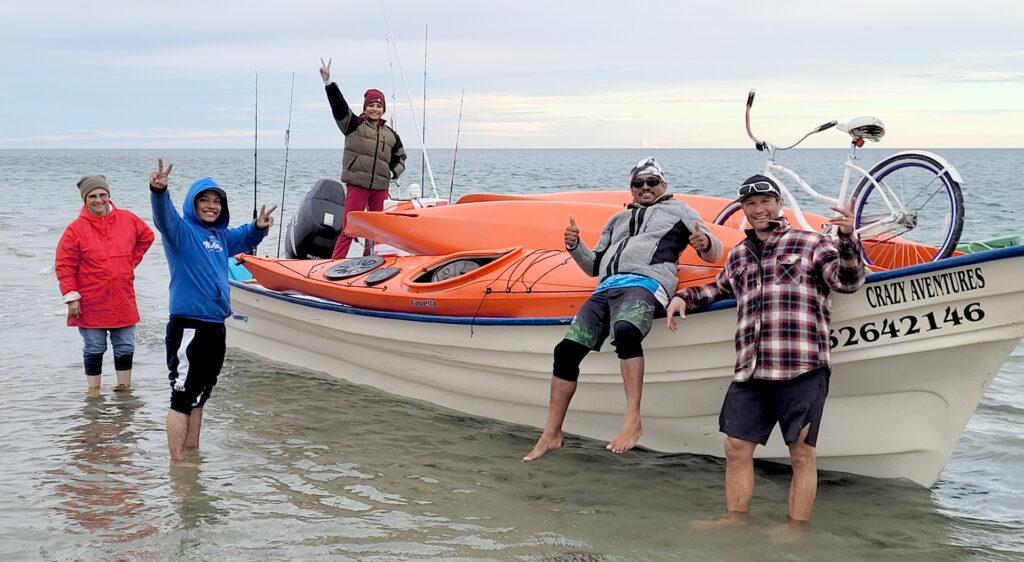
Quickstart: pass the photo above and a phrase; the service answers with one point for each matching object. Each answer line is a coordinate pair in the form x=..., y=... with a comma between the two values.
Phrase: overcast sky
x=536, y=74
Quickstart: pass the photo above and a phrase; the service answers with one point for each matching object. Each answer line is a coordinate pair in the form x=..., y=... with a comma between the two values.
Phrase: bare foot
x=791, y=532
x=122, y=388
x=626, y=439
x=183, y=464
x=544, y=444
x=730, y=519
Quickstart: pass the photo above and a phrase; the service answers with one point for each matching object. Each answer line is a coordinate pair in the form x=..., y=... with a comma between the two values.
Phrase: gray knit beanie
x=90, y=183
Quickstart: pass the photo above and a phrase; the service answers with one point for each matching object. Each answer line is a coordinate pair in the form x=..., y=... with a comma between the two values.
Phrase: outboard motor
x=315, y=227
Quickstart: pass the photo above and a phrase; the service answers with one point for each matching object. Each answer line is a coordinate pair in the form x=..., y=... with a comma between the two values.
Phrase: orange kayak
x=707, y=206
x=503, y=283
x=500, y=223
x=484, y=220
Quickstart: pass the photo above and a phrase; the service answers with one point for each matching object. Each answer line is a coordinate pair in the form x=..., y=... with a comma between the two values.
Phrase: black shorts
x=195, y=355
x=752, y=408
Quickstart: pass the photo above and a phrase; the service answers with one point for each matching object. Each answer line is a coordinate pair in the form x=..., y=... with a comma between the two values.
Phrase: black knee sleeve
x=568, y=356
x=93, y=364
x=627, y=340
x=124, y=362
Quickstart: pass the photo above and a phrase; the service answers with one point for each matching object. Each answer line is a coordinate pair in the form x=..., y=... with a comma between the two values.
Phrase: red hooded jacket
x=96, y=257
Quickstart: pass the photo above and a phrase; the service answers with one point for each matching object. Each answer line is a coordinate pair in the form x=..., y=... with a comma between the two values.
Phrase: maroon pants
x=357, y=199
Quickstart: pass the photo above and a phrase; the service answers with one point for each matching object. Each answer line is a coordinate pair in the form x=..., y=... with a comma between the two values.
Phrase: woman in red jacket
x=96, y=260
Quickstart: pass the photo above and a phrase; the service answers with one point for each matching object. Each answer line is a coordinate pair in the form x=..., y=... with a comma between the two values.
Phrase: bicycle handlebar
x=763, y=145
x=760, y=145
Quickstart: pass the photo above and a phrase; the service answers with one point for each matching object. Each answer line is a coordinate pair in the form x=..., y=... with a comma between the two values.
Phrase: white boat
x=914, y=351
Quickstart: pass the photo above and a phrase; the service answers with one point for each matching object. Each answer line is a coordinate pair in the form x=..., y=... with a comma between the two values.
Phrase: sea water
x=296, y=465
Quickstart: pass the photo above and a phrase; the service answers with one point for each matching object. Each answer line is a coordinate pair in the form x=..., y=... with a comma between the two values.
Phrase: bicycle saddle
x=867, y=127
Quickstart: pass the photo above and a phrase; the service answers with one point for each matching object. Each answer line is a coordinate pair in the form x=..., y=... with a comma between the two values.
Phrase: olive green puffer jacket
x=373, y=155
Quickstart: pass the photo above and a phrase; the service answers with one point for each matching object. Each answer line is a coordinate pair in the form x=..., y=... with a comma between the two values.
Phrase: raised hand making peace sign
x=158, y=177
x=325, y=70
x=265, y=221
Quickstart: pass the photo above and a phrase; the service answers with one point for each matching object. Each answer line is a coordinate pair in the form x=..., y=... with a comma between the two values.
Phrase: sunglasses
x=651, y=182
x=758, y=187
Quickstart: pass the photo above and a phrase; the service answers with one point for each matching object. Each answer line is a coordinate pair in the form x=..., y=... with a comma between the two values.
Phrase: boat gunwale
x=323, y=304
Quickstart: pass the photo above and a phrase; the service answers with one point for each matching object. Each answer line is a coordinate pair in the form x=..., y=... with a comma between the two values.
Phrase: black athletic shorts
x=752, y=408
x=195, y=355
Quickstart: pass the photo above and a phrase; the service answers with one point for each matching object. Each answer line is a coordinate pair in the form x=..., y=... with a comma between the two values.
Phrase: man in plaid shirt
x=781, y=279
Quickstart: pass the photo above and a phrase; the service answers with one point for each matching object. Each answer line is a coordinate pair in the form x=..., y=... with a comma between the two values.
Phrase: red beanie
x=374, y=95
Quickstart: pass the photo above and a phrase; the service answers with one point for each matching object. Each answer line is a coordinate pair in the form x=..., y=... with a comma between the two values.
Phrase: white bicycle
x=908, y=208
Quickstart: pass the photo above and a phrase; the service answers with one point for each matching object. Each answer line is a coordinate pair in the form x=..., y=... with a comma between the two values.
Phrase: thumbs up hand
x=572, y=234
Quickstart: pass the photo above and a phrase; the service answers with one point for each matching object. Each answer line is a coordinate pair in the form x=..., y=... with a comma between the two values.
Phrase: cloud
x=670, y=73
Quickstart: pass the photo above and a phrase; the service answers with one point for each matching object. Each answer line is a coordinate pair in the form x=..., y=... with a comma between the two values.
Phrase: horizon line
x=418, y=150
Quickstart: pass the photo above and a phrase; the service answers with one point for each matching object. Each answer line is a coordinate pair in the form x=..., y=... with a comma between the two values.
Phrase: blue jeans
x=121, y=339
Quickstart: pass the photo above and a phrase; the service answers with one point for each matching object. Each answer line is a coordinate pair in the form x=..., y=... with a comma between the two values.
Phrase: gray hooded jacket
x=646, y=240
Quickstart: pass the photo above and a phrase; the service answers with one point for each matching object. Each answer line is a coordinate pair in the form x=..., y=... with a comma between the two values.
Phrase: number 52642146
x=909, y=325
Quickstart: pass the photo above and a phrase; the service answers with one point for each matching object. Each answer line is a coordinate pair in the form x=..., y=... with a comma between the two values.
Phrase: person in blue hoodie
x=197, y=244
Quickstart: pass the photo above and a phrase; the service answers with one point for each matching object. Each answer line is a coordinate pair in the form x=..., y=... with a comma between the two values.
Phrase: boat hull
x=914, y=352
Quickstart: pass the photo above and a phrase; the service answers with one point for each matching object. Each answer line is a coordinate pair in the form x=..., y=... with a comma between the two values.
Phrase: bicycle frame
x=892, y=198
x=773, y=170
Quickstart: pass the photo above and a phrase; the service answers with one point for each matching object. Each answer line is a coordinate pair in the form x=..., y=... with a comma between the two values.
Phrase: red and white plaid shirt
x=782, y=299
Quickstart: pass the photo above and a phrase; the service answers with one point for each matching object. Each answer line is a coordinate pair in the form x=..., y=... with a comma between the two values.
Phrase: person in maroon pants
x=373, y=155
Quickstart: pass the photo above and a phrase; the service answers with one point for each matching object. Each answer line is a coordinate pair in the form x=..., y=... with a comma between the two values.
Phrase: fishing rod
x=408, y=95
x=287, y=138
x=455, y=155
x=424, y=134
x=255, y=145
x=391, y=70
x=394, y=102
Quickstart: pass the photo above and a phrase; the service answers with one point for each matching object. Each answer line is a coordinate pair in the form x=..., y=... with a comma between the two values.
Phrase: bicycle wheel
x=913, y=214
x=732, y=216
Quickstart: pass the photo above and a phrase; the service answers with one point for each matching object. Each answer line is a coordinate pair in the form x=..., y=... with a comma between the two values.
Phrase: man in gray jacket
x=636, y=261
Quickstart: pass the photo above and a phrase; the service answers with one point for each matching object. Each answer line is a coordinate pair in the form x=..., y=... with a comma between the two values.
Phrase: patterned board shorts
x=599, y=314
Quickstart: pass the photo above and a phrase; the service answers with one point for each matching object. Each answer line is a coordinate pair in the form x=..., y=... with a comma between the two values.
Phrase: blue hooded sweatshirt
x=198, y=254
